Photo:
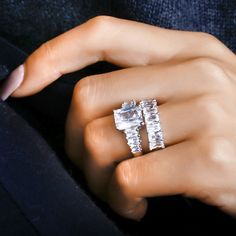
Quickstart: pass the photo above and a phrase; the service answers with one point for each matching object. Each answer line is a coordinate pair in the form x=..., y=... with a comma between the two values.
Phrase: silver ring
x=153, y=125
x=129, y=119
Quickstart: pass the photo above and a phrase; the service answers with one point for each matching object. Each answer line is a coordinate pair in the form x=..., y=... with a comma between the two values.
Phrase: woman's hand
x=192, y=76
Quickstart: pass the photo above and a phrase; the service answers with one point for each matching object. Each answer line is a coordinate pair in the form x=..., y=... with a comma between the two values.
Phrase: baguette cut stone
x=129, y=119
x=152, y=121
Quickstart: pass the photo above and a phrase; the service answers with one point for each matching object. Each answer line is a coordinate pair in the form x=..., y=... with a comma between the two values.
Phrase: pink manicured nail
x=12, y=82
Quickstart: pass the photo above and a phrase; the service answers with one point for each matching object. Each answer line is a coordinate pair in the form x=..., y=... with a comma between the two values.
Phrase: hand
x=193, y=77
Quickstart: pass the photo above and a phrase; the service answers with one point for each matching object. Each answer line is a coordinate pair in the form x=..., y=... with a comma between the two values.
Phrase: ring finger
x=98, y=95
x=106, y=146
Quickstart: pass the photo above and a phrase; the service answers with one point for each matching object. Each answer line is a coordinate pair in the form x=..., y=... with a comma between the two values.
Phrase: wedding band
x=129, y=119
x=153, y=125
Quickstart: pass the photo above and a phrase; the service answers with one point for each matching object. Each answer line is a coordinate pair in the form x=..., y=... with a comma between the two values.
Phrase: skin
x=192, y=76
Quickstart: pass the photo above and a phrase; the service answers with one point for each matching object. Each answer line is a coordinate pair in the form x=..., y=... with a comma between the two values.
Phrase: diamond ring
x=129, y=119
x=153, y=126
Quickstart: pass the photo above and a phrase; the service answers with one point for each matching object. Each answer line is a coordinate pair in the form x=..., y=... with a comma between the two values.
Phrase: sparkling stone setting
x=152, y=121
x=130, y=119
x=128, y=116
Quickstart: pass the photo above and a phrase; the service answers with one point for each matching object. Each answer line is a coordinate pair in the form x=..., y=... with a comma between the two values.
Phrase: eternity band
x=153, y=125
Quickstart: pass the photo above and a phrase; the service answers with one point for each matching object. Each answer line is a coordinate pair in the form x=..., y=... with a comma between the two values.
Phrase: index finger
x=121, y=42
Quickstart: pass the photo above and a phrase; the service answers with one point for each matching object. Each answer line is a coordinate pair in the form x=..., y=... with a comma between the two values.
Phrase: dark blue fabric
x=3, y=71
x=34, y=171
x=37, y=194
x=29, y=23
x=36, y=180
x=12, y=220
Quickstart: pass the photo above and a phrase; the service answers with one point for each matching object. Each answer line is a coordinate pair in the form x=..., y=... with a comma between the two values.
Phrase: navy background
x=28, y=23
x=36, y=179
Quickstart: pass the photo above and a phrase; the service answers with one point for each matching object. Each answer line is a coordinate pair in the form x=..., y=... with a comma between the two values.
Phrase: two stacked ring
x=131, y=117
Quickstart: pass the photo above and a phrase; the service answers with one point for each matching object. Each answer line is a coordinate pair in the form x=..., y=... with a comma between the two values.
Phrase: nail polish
x=12, y=82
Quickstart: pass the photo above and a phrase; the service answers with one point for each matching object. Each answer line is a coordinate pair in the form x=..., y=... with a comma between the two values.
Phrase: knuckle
x=208, y=37
x=48, y=51
x=124, y=177
x=94, y=139
x=96, y=32
x=211, y=42
x=216, y=153
x=211, y=149
x=101, y=23
x=83, y=95
x=210, y=111
x=213, y=74
x=204, y=63
x=226, y=201
x=214, y=48
x=215, y=156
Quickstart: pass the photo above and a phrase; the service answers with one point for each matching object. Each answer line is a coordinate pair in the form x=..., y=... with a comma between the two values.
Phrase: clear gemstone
x=128, y=116
x=151, y=115
x=133, y=139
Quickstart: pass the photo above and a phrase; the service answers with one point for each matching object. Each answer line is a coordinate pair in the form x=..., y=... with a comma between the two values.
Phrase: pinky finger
x=164, y=172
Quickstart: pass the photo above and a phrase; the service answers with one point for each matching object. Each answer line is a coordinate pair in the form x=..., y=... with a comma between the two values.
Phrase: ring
x=153, y=125
x=129, y=119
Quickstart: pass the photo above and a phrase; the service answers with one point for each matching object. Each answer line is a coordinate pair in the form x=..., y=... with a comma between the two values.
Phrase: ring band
x=153, y=126
x=134, y=140
x=129, y=119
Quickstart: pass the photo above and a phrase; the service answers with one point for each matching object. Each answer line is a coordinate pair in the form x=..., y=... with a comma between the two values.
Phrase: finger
x=106, y=146
x=164, y=172
x=122, y=42
x=98, y=95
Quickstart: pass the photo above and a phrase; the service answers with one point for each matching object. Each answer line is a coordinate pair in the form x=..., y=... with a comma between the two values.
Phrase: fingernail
x=12, y=82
